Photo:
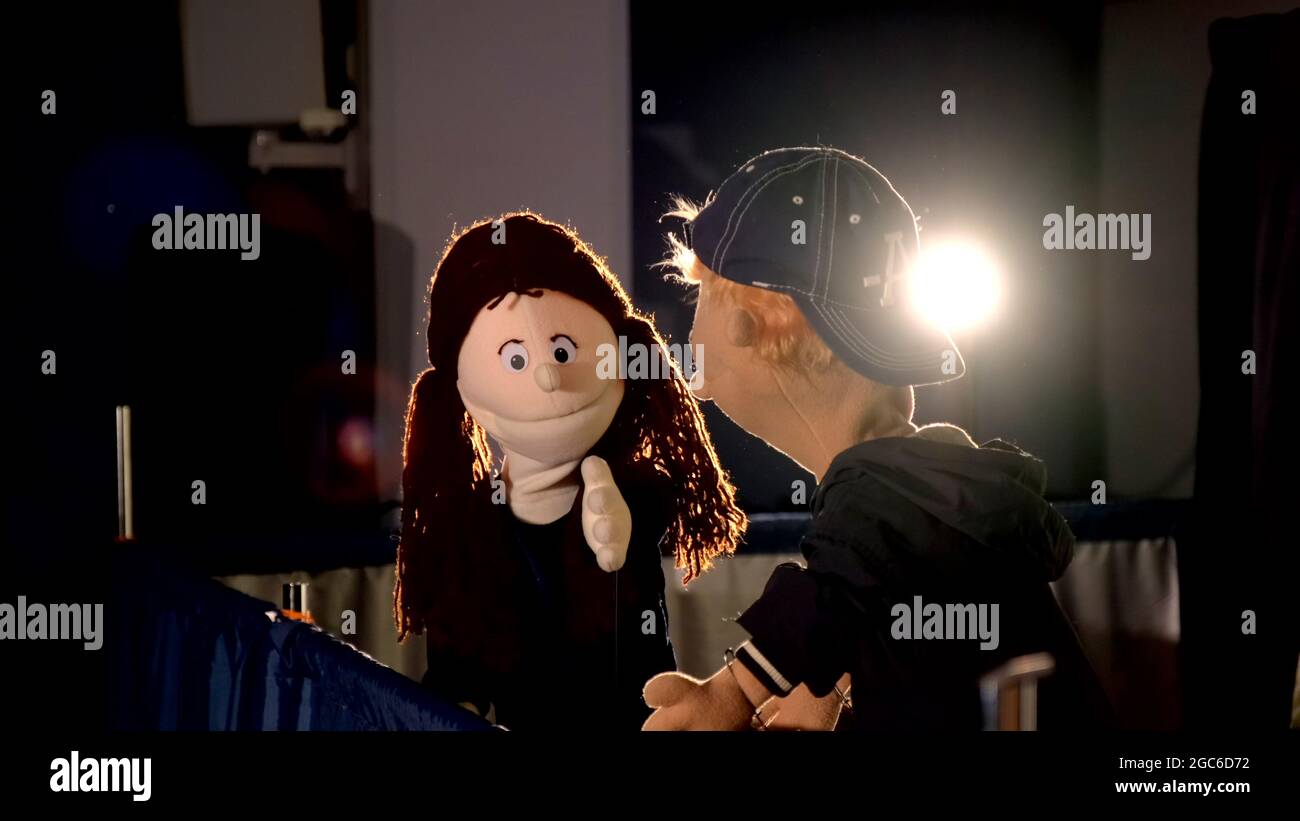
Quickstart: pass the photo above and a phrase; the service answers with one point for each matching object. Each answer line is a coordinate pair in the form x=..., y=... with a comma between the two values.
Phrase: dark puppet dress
x=584, y=642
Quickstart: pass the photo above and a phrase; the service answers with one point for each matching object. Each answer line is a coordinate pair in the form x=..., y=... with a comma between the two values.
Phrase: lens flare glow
x=955, y=286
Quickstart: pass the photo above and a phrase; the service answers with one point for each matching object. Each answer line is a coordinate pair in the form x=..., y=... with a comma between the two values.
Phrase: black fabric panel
x=1239, y=555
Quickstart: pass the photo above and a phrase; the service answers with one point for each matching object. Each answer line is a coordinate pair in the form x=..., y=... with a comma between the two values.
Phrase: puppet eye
x=563, y=351
x=514, y=356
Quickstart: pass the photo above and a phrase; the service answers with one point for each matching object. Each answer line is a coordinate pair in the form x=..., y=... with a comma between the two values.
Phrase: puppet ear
x=741, y=328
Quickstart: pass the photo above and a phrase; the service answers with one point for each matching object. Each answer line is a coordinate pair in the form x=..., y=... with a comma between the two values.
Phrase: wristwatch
x=757, y=721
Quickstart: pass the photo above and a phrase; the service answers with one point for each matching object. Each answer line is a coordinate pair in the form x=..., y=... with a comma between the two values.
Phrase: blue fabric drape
x=191, y=654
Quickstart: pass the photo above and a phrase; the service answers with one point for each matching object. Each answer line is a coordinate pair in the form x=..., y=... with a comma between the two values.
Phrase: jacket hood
x=948, y=508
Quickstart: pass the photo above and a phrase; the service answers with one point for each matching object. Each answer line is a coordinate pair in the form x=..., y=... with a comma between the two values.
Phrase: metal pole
x=125, y=499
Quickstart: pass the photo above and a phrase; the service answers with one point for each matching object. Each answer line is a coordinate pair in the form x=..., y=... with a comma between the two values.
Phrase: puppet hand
x=801, y=710
x=606, y=520
x=685, y=703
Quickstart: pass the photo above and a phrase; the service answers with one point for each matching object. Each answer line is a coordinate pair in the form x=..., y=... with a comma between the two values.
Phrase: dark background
x=1024, y=142
x=232, y=367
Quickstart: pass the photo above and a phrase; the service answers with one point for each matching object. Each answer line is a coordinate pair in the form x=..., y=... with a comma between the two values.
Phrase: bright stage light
x=955, y=286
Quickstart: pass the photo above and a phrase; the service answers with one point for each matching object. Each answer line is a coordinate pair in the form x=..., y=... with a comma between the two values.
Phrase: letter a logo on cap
x=897, y=265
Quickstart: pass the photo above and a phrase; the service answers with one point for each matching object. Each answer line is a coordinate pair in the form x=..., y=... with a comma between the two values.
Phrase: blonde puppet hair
x=782, y=336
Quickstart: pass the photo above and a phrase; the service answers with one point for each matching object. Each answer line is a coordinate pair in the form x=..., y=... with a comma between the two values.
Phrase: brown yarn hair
x=455, y=581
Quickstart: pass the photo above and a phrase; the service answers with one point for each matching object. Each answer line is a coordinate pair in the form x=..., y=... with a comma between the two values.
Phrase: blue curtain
x=190, y=654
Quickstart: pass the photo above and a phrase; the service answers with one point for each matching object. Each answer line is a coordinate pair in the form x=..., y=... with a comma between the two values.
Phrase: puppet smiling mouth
x=594, y=401
x=552, y=439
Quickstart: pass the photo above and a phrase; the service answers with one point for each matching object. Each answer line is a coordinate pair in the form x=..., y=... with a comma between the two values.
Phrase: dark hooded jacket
x=901, y=517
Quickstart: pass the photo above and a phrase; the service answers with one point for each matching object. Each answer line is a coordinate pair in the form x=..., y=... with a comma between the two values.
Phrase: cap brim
x=885, y=345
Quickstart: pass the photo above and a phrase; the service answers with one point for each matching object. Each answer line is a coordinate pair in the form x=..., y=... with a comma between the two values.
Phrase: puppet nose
x=548, y=377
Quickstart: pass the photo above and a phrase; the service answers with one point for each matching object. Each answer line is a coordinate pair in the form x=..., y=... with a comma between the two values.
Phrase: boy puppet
x=813, y=349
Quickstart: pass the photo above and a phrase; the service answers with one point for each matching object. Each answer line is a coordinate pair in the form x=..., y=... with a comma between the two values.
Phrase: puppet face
x=527, y=374
x=737, y=381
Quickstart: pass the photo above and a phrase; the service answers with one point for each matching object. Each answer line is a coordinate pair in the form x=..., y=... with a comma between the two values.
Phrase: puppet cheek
x=480, y=414
x=480, y=387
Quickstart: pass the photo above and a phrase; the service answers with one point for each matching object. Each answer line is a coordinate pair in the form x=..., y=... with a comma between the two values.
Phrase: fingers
x=596, y=472
x=598, y=500
x=606, y=519
x=667, y=718
x=602, y=509
x=608, y=538
x=669, y=688
x=683, y=702
x=608, y=559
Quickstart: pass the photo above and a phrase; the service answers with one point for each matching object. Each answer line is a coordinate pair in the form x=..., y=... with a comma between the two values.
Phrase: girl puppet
x=548, y=571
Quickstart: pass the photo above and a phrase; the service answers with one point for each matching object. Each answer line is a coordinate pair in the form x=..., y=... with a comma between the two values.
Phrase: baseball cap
x=847, y=275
